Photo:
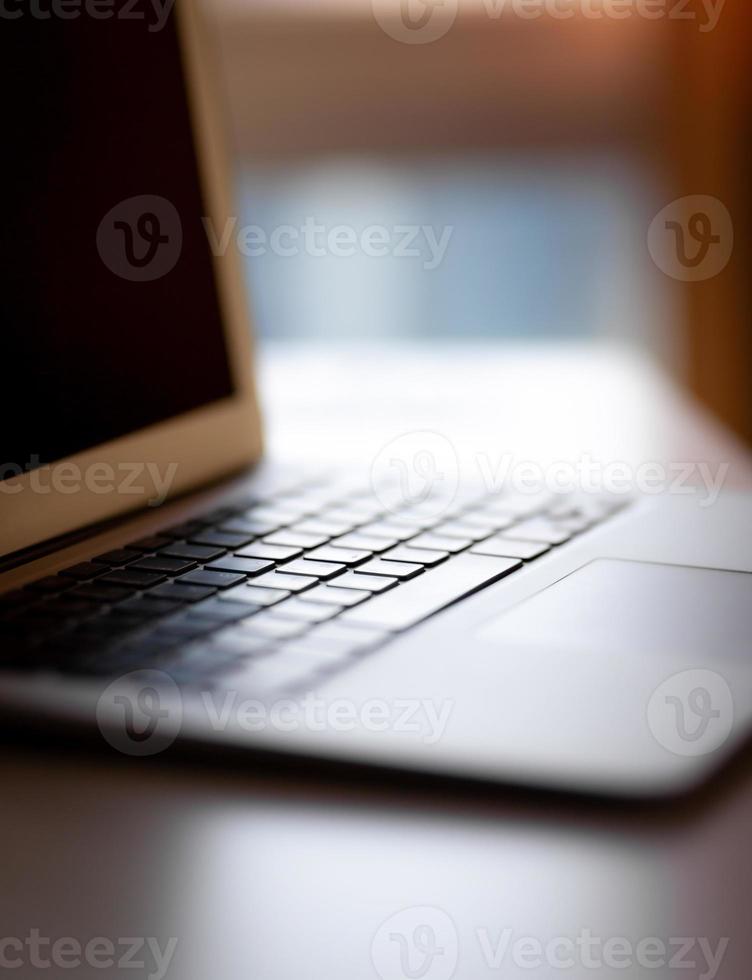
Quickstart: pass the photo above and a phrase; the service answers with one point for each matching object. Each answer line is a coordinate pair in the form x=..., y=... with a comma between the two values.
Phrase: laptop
x=162, y=586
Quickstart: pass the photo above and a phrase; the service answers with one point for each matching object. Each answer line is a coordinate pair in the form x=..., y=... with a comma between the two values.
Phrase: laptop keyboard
x=270, y=594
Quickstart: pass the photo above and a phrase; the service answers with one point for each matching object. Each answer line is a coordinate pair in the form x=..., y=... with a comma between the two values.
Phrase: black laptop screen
x=110, y=308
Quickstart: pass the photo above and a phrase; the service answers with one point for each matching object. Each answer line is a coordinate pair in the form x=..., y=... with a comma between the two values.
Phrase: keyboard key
x=296, y=539
x=220, y=539
x=429, y=593
x=164, y=564
x=318, y=569
x=184, y=530
x=411, y=521
x=415, y=556
x=216, y=580
x=280, y=580
x=154, y=543
x=181, y=593
x=141, y=607
x=245, y=566
x=221, y=611
x=84, y=570
x=336, y=597
x=359, y=580
x=435, y=542
x=503, y=547
x=256, y=529
x=385, y=529
x=102, y=593
x=279, y=516
x=236, y=643
x=50, y=584
x=392, y=569
x=308, y=612
x=539, y=529
x=344, y=636
x=343, y=556
x=180, y=625
x=253, y=596
x=70, y=608
x=468, y=532
x=274, y=552
x=132, y=578
x=274, y=627
x=517, y=505
x=479, y=519
x=120, y=556
x=331, y=529
x=362, y=542
x=320, y=654
x=192, y=552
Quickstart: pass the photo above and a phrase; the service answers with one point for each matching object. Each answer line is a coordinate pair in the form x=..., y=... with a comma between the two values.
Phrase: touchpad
x=637, y=607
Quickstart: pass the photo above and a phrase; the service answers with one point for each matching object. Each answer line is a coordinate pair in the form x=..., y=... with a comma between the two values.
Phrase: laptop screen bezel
x=196, y=447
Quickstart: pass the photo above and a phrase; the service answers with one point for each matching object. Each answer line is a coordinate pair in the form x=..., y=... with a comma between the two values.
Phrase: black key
x=101, y=593
x=165, y=565
x=142, y=608
x=342, y=556
x=68, y=608
x=84, y=570
x=49, y=584
x=183, y=626
x=296, y=539
x=154, y=543
x=192, y=552
x=274, y=552
x=218, y=515
x=217, y=580
x=16, y=599
x=241, y=525
x=227, y=612
x=185, y=530
x=180, y=593
x=132, y=578
x=392, y=569
x=319, y=569
x=220, y=539
x=120, y=556
x=416, y=556
x=247, y=566
x=427, y=594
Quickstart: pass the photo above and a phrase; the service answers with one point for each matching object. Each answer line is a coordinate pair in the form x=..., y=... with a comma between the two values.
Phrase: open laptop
x=578, y=643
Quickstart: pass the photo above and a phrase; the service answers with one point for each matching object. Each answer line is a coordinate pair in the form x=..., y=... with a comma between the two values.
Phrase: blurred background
x=542, y=147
